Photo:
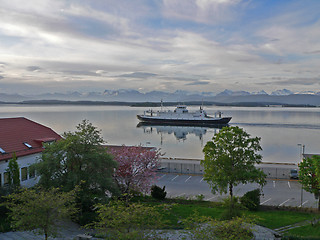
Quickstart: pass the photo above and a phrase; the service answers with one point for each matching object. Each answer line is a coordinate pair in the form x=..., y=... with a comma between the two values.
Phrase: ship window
x=27, y=145
x=2, y=151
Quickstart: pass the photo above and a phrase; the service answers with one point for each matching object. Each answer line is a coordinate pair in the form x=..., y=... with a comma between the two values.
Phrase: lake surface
x=280, y=129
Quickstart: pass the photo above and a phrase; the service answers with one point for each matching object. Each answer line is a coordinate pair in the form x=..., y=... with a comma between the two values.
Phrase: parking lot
x=276, y=192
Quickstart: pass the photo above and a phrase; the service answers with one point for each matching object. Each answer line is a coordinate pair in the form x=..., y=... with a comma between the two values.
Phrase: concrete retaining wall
x=192, y=166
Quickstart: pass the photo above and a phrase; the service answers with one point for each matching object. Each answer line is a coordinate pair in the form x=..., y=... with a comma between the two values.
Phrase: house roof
x=23, y=137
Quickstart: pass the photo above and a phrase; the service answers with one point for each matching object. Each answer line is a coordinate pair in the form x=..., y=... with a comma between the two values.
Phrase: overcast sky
x=165, y=45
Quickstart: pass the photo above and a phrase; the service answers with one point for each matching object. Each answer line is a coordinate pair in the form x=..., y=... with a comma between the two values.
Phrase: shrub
x=158, y=192
x=251, y=200
x=205, y=228
x=200, y=197
x=122, y=220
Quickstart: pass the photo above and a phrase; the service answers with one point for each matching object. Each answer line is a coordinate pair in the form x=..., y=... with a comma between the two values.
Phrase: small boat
x=181, y=116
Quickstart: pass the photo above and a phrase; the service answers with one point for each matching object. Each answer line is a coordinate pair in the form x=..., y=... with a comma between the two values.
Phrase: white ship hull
x=181, y=116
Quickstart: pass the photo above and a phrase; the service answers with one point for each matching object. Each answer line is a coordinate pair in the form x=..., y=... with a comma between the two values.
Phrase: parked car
x=294, y=174
x=161, y=168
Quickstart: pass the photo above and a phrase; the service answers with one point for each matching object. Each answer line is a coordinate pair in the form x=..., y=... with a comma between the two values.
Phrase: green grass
x=272, y=219
x=280, y=218
x=307, y=232
x=182, y=211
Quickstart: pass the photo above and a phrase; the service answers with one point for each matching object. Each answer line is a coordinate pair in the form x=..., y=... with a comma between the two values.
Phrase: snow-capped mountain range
x=129, y=95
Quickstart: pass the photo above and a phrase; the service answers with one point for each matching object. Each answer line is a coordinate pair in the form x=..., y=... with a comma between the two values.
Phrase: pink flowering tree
x=137, y=167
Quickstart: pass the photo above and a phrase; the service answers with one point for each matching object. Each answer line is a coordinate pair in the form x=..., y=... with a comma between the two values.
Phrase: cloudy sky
x=165, y=45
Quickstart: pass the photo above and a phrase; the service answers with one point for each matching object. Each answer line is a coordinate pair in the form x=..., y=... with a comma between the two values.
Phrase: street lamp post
x=302, y=148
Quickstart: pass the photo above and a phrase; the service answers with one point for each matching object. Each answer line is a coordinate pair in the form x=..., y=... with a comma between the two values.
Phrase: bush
x=205, y=228
x=251, y=200
x=200, y=197
x=4, y=220
x=123, y=220
x=158, y=192
x=5, y=223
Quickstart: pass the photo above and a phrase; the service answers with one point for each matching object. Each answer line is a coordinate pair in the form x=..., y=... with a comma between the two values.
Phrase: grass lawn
x=309, y=232
x=268, y=218
x=280, y=218
x=182, y=211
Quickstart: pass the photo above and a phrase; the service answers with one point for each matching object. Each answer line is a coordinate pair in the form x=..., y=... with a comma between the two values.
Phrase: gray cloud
x=1, y=77
x=313, y=52
x=292, y=81
x=81, y=73
x=198, y=83
x=167, y=45
x=33, y=68
x=138, y=75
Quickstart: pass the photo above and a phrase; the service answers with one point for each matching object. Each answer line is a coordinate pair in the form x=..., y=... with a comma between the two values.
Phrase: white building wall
x=25, y=161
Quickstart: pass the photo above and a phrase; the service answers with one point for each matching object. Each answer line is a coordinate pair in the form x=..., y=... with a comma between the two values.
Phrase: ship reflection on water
x=180, y=132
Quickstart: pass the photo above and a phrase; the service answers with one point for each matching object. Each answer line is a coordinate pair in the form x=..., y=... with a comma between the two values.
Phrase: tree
x=309, y=175
x=118, y=220
x=230, y=158
x=40, y=211
x=13, y=173
x=136, y=168
x=78, y=159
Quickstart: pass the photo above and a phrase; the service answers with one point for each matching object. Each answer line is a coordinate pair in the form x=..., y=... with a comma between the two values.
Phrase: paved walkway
x=71, y=230
x=296, y=225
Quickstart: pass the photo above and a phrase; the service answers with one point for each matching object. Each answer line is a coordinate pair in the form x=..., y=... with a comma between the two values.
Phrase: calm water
x=280, y=129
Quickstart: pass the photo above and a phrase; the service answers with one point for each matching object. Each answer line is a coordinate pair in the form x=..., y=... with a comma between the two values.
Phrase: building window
x=6, y=178
x=27, y=145
x=24, y=173
x=32, y=172
x=2, y=151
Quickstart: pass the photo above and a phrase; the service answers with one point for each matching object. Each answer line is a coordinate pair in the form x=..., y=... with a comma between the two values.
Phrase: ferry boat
x=181, y=116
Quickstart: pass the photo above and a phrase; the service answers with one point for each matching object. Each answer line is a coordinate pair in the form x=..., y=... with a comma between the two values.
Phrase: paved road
x=275, y=192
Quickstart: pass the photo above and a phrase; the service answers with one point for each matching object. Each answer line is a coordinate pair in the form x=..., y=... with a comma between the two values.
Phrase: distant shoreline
x=154, y=104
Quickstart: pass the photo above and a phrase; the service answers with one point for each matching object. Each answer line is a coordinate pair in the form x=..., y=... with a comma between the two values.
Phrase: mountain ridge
x=283, y=96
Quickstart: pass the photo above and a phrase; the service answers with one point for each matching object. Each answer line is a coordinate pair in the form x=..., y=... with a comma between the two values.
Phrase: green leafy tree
x=230, y=158
x=309, y=175
x=13, y=173
x=120, y=220
x=78, y=159
x=40, y=211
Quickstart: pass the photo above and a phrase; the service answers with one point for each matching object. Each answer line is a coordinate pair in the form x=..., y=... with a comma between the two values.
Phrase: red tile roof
x=14, y=132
